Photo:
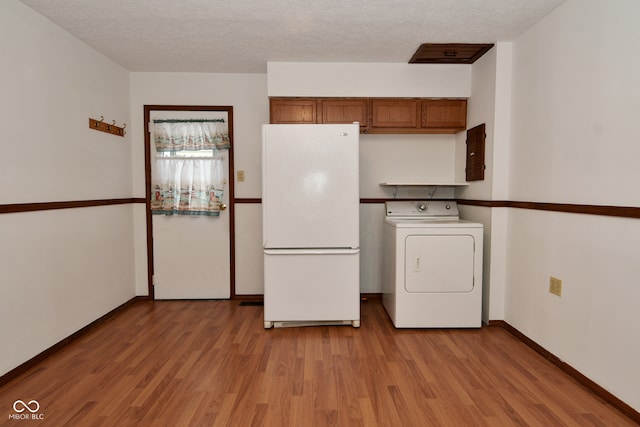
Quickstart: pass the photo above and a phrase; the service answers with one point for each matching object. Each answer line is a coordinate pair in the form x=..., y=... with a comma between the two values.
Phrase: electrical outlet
x=240, y=175
x=555, y=286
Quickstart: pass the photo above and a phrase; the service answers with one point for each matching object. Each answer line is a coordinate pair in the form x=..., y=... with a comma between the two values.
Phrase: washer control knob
x=447, y=207
x=422, y=207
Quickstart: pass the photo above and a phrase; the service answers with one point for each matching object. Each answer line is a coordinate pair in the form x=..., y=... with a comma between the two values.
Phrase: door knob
x=223, y=206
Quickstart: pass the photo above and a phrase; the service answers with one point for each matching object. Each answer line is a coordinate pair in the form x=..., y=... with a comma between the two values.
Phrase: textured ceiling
x=240, y=36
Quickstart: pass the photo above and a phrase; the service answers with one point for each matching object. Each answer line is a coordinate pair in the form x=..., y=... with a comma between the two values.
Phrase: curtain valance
x=190, y=135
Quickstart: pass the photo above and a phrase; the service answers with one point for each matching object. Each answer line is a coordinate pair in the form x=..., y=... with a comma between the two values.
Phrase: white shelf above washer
x=423, y=184
x=429, y=185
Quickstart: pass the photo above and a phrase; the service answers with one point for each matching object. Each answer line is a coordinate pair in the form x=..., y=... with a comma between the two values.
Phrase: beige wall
x=568, y=136
x=576, y=103
x=61, y=269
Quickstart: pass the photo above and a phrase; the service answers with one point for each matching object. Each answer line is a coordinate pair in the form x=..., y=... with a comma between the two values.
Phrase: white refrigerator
x=310, y=208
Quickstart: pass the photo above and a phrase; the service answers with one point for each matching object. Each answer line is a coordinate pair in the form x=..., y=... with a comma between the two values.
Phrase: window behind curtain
x=188, y=169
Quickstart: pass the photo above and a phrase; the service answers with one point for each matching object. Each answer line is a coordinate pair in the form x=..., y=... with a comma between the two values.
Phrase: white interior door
x=191, y=254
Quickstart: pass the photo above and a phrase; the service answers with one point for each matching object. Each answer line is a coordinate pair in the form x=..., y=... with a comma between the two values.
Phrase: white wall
x=368, y=79
x=490, y=103
x=576, y=92
x=51, y=84
x=60, y=269
x=247, y=93
x=576, y=103
x=404, y=158
x=481, y=108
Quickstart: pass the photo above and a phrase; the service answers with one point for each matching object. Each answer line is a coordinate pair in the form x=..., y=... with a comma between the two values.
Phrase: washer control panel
x=422, y=209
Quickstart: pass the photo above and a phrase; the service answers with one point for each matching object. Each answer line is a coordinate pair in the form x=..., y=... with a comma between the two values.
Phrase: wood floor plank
x=211, y=363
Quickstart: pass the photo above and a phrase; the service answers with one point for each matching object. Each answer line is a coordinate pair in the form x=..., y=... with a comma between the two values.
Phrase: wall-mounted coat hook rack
x=106, y=127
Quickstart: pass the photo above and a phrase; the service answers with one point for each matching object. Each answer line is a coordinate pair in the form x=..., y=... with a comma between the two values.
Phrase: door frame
x=147, y=180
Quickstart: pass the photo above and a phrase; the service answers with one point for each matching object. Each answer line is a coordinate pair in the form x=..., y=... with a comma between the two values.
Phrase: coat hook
x=101, y=119
x=124, y=126
x=113, y=123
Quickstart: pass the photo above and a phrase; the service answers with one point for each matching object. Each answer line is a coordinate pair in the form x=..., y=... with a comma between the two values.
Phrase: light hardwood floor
x=211, y=363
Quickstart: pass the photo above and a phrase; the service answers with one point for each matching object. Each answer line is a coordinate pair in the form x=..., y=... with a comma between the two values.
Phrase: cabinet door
x=444, y=114
x=345, y=111
x=293, y=110
x=395, y=113
x=474, y=170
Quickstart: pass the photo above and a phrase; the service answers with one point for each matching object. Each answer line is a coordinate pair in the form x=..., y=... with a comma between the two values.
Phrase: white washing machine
x=432, y=266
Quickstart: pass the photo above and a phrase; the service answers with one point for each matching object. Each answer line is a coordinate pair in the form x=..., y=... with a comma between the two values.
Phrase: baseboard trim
x=248, y=297
x=569, y=370
x=16, y=372
x=260, y=297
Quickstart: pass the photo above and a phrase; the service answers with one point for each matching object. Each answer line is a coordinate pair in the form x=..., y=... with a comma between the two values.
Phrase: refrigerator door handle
x=312, y=251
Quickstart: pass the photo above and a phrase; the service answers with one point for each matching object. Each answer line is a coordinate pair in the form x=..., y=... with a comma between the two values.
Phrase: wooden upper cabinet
x=393, y=113
x=444, y=114
x=376, y=115
x=293, y=110
x=345, y=111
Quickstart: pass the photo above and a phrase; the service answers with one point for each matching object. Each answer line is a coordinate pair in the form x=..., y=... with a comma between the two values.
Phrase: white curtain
x=187, y=186
x=188, y=175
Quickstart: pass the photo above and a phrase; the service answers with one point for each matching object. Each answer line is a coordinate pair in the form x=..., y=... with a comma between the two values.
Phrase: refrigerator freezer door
x=310, y=189
x=304, y=286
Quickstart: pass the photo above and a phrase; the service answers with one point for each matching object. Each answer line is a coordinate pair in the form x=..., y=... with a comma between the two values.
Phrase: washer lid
x=422, y=209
